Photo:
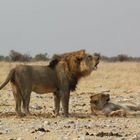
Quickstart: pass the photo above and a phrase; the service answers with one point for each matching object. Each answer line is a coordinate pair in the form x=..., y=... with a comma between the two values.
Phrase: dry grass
x=124, y=75
x=118, y=75
x=5, y=67
x=123, y=81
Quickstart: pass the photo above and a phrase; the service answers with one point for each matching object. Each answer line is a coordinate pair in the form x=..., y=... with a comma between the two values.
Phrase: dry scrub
x=120, y=80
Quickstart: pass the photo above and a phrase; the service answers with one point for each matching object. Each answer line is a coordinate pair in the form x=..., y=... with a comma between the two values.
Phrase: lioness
x=60, y=77
x=100, y=105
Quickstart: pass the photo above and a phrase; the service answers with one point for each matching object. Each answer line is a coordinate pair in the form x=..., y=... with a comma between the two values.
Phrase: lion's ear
x=53, y=63
x=82, y=52
x=97, y=57
x=80, y=55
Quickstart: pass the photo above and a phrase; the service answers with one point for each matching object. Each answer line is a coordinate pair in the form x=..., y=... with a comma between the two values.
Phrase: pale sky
x=110, y=27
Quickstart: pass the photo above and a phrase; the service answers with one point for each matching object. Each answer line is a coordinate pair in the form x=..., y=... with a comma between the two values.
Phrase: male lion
x=100, y=105
x=60, y=77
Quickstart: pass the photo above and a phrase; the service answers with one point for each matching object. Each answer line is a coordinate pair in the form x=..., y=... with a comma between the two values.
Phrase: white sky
x=110, y=27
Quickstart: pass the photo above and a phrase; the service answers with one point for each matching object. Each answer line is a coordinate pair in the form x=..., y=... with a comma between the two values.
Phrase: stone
x=37, y=107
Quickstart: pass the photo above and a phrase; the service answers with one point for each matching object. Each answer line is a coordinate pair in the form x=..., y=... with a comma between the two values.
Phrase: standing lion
x=59, y=77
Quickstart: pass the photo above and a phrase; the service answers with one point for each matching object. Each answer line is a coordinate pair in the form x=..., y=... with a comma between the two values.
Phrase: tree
x=41, y=57
x=16, y=56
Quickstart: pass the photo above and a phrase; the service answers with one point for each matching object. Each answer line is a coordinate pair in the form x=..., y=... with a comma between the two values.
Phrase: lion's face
x=99, y=100
x=76, y=65
x=96, y=60
x=89, y=63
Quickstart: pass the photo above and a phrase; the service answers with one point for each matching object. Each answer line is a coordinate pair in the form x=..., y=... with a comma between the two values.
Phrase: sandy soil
x=120, y=80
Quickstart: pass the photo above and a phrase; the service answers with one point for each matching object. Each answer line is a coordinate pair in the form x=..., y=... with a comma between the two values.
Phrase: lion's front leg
x=56, y=103
x=65, y=103
x=64, y=91
x=118, y=113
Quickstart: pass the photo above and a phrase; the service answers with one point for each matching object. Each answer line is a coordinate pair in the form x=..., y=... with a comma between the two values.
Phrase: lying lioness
x=100, y=105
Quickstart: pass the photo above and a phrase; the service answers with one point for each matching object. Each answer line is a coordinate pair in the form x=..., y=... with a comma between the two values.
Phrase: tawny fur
x=60, y=77
x=101, y=105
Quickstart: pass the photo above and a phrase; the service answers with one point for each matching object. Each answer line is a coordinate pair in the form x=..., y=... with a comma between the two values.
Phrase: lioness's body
x=100, y=105
x=60, y=77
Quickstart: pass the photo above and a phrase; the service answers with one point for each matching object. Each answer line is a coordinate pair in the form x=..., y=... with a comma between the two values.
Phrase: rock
x=102, y=134
x=7, y=131
x=105, y=91
x=37, y=107
x=41, y=130
x=37, y=96
x=46, y=123
x=67, y=126
x=71, y=122
x=19, y=138
x=83, y=104
x=136, y=137
x=41, y=133
x=81, y=138
x=120, y=139
x=87, y=134
x=91, y=134
x=64, y=138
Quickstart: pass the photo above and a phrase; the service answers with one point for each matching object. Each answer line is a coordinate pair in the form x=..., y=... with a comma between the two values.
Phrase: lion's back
x=36, y=75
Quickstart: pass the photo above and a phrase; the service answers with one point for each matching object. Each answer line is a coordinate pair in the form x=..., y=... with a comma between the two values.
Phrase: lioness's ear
x=94, y=101
x=91, y=97
x=108, y=95
x=104, y=95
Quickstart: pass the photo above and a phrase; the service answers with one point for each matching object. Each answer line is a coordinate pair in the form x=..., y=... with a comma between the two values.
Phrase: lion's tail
x=9, y=77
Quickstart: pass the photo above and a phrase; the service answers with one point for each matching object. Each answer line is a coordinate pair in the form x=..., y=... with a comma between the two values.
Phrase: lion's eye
x=90, y=56
x=94, y=101
x=79, y=59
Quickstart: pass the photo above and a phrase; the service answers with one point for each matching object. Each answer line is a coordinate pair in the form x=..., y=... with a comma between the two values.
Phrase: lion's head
x=98, y=101
x=76, y=64
x=56, y=58
x=88, y=63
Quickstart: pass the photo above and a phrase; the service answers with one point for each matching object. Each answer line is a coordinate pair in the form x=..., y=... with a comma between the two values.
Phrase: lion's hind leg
x=18, y=99
x=26, y=94
x=118, y=113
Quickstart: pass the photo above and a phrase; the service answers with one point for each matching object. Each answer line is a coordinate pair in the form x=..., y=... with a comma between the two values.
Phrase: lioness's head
x=98, y=101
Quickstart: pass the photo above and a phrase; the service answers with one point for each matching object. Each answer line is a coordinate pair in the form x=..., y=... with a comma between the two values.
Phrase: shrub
x=16, y=56
x=41, y=57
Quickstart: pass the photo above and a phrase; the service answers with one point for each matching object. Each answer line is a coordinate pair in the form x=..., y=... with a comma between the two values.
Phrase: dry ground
x=121, y=80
